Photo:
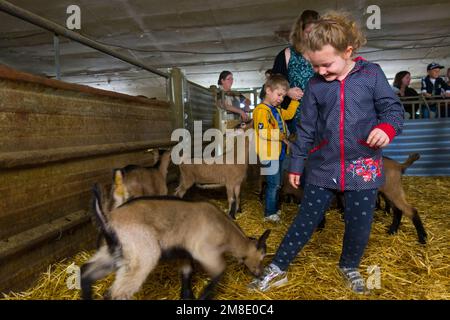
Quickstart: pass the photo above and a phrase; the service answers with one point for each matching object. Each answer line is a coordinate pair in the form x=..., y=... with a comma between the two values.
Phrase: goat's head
x=244, y=125
x=255, y=255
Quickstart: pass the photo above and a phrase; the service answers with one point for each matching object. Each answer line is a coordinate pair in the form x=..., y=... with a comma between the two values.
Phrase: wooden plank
x=32, y=238
x=23, y=77
x=41, y=157
x=21, y=270
x=56, y=141
x=35, y=195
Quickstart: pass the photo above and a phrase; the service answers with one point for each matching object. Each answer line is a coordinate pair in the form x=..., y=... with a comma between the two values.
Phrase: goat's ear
x=262, y=240
x=118, y=178
x=119, y=192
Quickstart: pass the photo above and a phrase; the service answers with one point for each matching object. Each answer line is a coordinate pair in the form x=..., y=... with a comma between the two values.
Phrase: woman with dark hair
x=401, y=85
x=401, y=88
x=231, y=102
x=291, y=63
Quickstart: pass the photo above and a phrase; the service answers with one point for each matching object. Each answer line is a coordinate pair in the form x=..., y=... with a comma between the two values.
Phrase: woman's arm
x=226, y=104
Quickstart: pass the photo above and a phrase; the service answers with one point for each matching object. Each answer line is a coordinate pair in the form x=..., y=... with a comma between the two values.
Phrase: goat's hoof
x=423, y=239
x=188, y=296
x=392, y=231
x=107, y=295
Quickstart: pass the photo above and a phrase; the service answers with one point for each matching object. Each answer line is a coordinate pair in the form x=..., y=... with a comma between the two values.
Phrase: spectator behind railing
x=227, y=100
x=448, y=77
x=432, y=84
x=401, y=88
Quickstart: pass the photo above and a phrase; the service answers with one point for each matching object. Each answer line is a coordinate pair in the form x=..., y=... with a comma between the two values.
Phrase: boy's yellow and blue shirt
x=267, y=129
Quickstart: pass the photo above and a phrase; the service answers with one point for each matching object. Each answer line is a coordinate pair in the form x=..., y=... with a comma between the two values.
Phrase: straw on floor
x=407, y=269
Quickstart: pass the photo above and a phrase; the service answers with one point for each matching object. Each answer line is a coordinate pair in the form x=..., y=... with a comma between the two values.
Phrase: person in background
x=271, y=139
x=401, y=87
x=401, y=84
x=432, y=84
x=348, y=114
x=291, y=63
x=267, y=74
x=448, y=76
x=231, y=102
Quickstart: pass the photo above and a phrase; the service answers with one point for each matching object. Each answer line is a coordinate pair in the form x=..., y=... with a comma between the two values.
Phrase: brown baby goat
x=135, y=181
x=393, y=191
x=141, y=230
x=217, y=174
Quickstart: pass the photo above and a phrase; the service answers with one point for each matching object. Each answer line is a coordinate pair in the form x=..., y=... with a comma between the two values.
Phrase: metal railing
x=59, y=30
x=176, y=83
x=419, y=107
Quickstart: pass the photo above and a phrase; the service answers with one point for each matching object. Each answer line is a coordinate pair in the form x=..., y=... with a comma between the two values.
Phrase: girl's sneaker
x=354, y=280
x=272, y=276
x=273, y=218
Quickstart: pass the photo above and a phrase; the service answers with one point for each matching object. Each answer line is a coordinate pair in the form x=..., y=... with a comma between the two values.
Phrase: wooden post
x=176, y=98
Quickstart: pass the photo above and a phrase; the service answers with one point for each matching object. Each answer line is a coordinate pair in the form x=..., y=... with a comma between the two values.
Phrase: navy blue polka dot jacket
x=335, y=121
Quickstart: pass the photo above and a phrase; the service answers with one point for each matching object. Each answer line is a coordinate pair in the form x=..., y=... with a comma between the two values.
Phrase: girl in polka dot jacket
x=349, y=113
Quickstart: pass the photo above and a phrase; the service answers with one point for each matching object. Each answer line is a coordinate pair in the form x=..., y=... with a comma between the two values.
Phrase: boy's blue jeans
x=426, y=113
x=273, y=180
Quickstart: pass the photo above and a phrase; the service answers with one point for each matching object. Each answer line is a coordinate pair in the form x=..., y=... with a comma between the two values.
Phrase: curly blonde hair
x=336, y=29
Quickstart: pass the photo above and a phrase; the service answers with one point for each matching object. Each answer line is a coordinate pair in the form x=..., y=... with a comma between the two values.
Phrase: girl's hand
x=378, y=138
x=294, y=180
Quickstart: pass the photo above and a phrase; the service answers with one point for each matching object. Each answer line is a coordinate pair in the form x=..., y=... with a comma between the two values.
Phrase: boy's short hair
x=276, y=81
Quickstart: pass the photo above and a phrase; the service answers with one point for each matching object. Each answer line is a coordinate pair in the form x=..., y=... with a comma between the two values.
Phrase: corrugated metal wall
x=428, y=137
x=56, y=140
x=200, y=106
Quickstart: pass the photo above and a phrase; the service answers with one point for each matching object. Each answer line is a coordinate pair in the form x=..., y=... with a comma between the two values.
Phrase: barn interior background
x=203, y=37
x=59, y=137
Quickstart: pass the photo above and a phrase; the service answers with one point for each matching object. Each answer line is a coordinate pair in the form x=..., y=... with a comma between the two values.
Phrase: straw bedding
x=408, y=269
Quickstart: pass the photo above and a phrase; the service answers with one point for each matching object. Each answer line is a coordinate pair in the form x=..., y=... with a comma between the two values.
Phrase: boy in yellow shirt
x=271, y=139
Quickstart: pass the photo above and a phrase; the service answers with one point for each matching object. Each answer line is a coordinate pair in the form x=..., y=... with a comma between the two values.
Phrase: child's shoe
x=272, y=276
x=273, y=218
x=354, y=280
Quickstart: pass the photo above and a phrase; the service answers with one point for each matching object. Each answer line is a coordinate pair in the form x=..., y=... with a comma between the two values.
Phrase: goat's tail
x=413, y=157
x=110, y=235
